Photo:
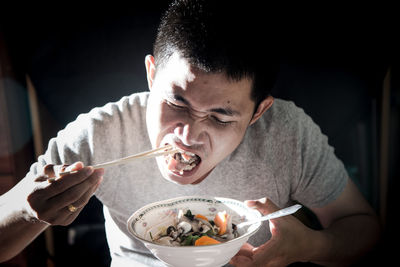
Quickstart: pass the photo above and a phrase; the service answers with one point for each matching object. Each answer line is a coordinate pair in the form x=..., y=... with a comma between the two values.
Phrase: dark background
x=333, y=62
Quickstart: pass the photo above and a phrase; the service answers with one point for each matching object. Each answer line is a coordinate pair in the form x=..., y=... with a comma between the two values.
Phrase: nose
x=190, y=133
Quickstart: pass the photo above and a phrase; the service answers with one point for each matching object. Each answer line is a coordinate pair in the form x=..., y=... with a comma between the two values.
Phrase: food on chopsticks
x=187, y=229
x=182, y=161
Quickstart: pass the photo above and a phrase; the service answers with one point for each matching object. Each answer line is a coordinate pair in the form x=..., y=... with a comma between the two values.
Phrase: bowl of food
x=193, y=230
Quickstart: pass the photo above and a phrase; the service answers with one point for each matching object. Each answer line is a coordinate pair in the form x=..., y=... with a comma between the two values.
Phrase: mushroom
x=205, y=225
x=172, y=232
x=205, y=228
x=185, y=227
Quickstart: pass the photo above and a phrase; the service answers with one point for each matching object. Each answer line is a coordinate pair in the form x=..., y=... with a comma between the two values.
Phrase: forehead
x=178, y=75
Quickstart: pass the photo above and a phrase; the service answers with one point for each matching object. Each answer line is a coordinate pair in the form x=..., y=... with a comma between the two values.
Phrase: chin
x=180, y=179
x=185, y=179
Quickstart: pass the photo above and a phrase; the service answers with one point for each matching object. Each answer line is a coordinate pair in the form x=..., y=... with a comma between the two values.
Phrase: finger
x=267, y=253
x=75, y=192
x=58, y=217
x=52, y=170
x=42, y=178
x=80, y=204
x=65, y=167
x=60, y=214
x=65, y=216
x=84, y=199
x=264, y=205
x=241, y=261
x=48, y=172
x=69, y=180
x=48, y=207
x=71, y=216
x=246, y=250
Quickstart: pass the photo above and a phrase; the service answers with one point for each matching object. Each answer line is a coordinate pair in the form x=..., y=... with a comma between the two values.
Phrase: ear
x=262, y=107
x=150, y=70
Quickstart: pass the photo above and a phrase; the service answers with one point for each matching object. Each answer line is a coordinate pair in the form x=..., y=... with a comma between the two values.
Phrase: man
x=209, y=82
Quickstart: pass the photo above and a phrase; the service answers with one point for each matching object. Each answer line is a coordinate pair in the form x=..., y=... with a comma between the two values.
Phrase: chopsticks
x=161, y=151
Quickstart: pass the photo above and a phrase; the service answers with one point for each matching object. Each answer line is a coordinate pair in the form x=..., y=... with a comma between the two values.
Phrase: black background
x=333, y=61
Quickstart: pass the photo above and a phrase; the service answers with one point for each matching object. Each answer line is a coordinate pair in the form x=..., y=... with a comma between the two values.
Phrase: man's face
x=204, y=114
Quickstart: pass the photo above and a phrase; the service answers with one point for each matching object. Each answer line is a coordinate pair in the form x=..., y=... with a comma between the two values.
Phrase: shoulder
x=278, y=134
x=286, y=111
x=129, y=109
x=284, y=118
x=112, y=119
x=126, y=105
x=286, y=132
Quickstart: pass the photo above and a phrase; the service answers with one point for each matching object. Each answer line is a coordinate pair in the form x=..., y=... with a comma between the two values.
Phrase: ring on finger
x=72, y=208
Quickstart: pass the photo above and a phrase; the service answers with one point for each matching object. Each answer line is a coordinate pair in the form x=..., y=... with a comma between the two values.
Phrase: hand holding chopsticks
x=143, y=155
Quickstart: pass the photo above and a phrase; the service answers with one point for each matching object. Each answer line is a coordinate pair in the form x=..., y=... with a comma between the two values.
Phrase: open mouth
x=182, y=162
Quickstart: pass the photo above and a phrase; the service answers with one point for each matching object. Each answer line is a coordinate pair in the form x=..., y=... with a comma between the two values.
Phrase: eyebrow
x=224, y=111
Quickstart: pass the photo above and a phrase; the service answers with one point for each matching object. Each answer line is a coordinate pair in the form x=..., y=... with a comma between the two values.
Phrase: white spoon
x=273, y=215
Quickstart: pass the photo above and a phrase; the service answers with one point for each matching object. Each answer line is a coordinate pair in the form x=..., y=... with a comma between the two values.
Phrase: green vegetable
x=189, y=215
x=189, y=240
x=210, y=233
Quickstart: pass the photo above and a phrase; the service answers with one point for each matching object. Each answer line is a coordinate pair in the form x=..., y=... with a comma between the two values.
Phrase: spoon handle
x=273, y=215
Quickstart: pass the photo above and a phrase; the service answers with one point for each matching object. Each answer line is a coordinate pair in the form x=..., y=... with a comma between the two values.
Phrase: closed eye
x=175, y=105
x=220, y=121
x=183, y=107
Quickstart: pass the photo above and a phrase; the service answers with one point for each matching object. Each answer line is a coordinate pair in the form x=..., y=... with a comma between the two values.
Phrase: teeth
x=189, y=167
x=186, y=152
x=186, y=159
x=178, y=156
x=189, y=153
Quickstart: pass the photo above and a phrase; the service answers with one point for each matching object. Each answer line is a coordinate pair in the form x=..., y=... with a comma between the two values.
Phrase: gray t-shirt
x=283, y=156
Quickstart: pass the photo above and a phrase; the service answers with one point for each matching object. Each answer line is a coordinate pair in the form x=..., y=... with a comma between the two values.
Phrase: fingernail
x=89, y=170
x=70, y=167
x=250, y=203
x=100, y=171
x=262, y=200
x=42, y=178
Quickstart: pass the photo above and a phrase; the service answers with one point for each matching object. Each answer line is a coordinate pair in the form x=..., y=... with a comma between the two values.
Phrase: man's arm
x=34, y=203
x=350, y=230
x=17, y=230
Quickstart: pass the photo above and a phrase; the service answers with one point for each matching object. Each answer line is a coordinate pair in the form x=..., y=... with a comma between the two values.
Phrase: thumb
x=75, y=167
x=68, y=168
x=263, y=205
x=241, y=261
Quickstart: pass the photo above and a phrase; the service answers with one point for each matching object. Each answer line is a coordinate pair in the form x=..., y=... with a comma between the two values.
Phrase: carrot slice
x=221, y=220
x=201, y=217
x=206, y=240
x=186, y=156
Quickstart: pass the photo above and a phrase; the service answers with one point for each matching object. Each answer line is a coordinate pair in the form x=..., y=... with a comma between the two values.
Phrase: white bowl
x=205, y=256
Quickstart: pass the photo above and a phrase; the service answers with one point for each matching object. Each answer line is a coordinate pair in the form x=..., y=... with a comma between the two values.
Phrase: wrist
x=315, y=245
x=30, y=216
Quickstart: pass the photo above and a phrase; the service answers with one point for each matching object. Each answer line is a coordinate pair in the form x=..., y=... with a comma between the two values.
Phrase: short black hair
x=221, y=36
